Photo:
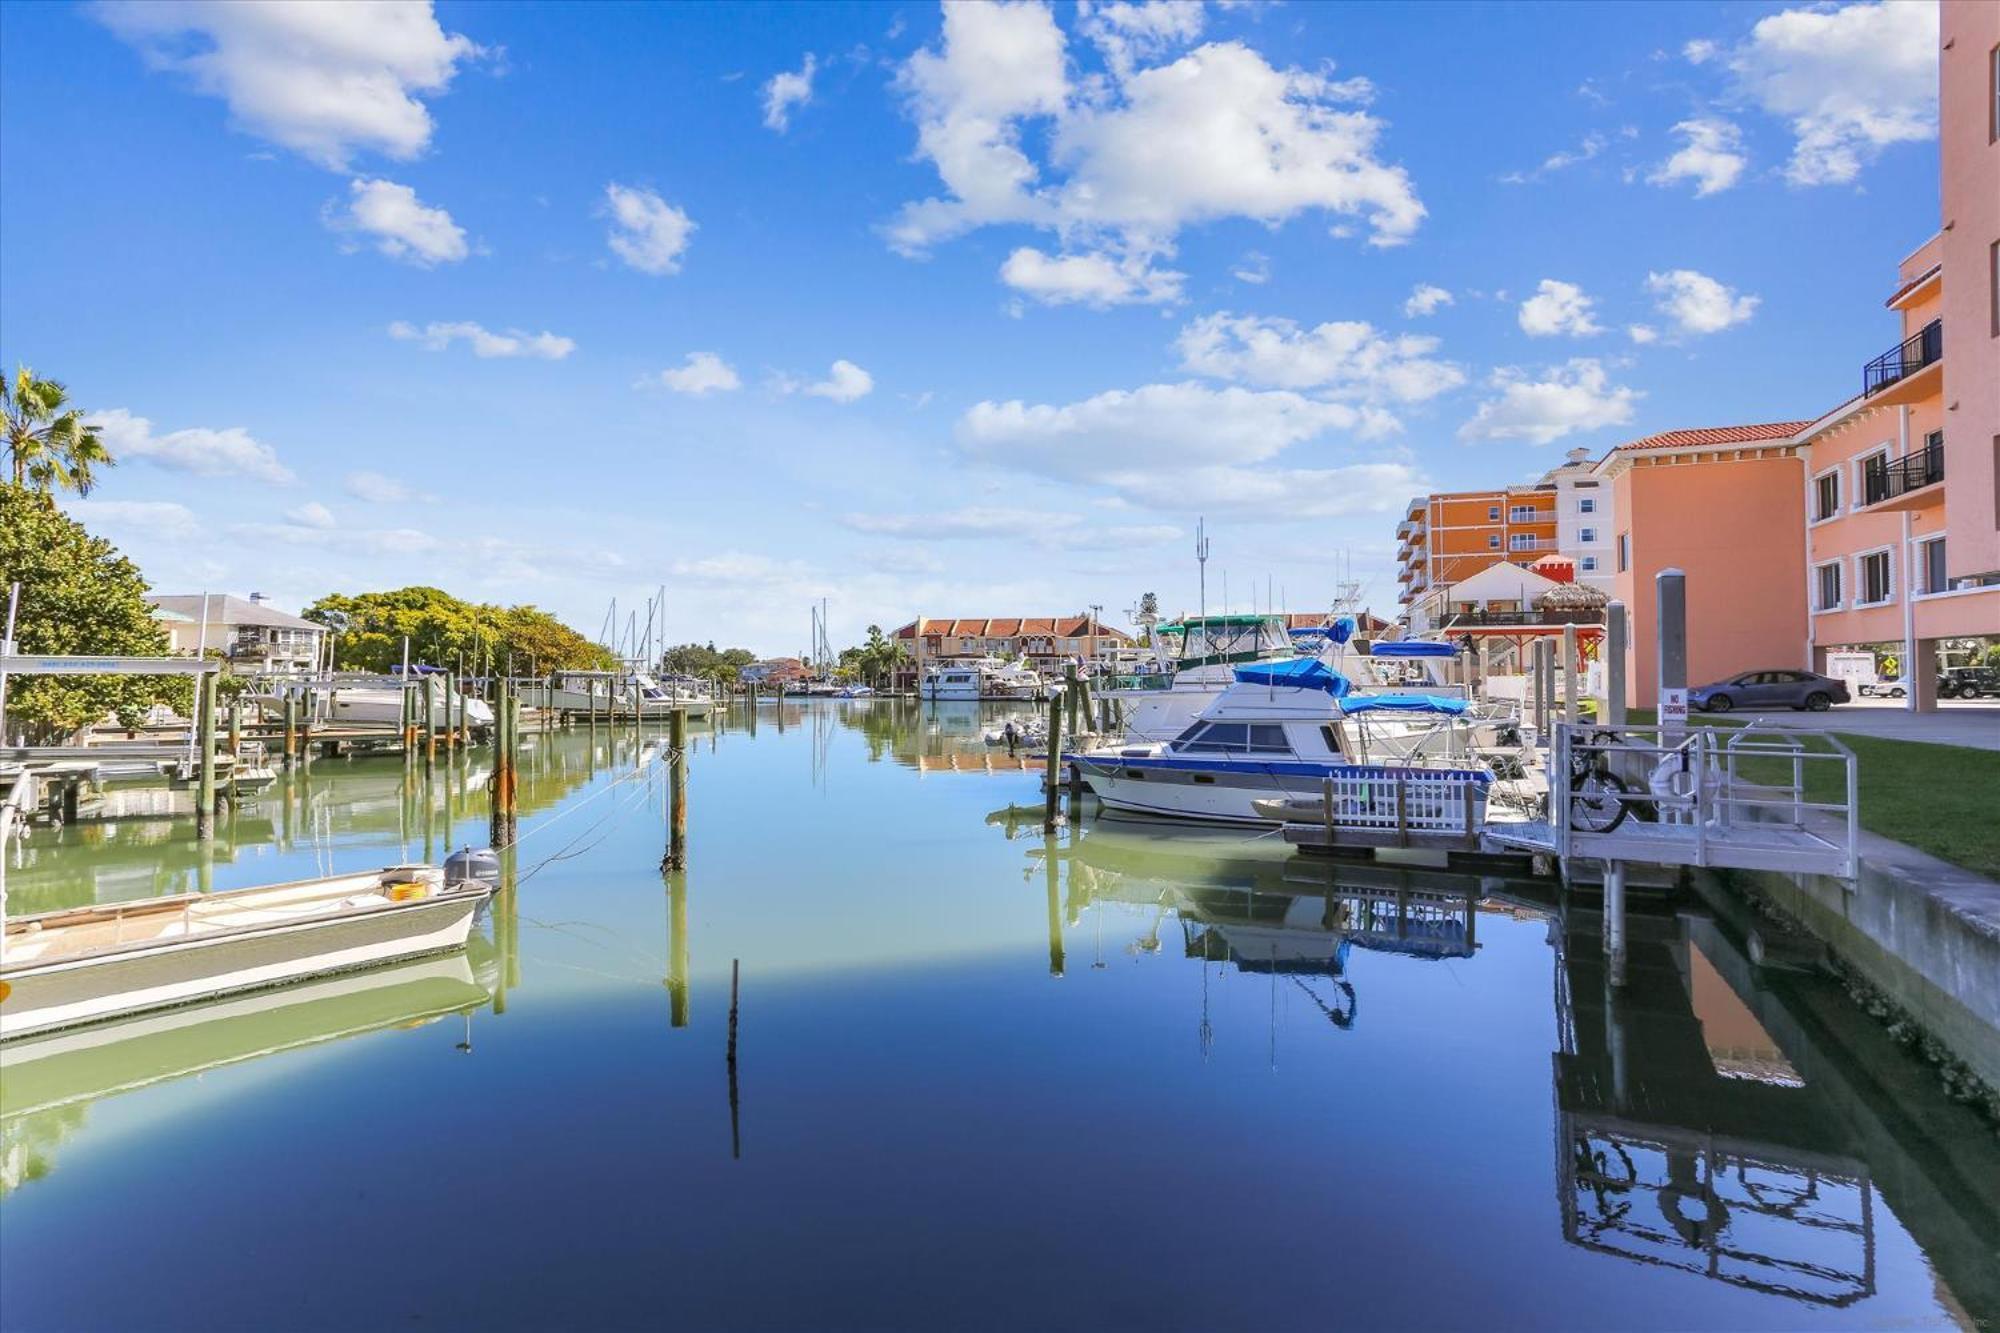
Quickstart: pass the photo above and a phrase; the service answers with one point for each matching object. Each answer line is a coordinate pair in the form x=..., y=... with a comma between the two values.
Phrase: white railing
x=1685, y=798
x=1405, y=801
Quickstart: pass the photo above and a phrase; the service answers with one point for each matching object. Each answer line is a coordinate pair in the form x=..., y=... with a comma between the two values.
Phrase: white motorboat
x=85, y=964
x=984, y=678
x=380, y=705
x=1285, y=730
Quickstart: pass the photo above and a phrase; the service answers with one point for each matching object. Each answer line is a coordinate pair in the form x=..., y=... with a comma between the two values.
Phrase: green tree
x=442, y=629
x=48, y=445
x=78, y=596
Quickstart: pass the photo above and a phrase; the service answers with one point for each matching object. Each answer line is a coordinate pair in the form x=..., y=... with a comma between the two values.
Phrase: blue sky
x=975, y=314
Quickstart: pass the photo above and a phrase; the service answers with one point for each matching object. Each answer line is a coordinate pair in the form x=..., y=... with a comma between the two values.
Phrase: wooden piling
x=429, y=705
x=204, y=732
x=1051, y=872
x=1054, y=787
x=291, y=728
x=236, y=725
x=1070, y=695
x=677, y=827
x=505, y=781
x=677, y=950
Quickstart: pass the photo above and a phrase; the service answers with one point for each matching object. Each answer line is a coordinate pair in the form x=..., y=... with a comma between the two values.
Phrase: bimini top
x=1297, y=673
x=1412, y=648
x=1338, y=630
x=1402, y=703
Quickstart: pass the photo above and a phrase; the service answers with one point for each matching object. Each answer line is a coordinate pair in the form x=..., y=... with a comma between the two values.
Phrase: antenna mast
x=1201, y=558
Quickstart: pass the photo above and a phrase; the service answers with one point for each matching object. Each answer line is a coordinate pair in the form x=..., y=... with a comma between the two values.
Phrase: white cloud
x=1126, y=32
x=1095, y=280
x=701, y=374
x=1040, y=527
x=230, y=452
x=1558, y=308
x=1712, y=157
x=647, y=232
x=485, y=343
x=1590, y=146
x=403, y=226
x=1425, y=299
x=376, y=488
x=1254, y=268
x=1851, y=81
x=1348, y=359
x=1699, y=51
x=324, y=80
x=1642, y=333
x=1134, y=156
x=1697, y=303
x=311, y=514
x=161, y=520
x=786, y=90
x=844, y=383
x=1577, y=396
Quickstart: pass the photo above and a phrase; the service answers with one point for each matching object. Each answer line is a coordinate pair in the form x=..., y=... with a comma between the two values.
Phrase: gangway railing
x=1736, y=799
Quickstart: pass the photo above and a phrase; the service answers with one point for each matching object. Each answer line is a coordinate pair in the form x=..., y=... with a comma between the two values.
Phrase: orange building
x=1725, y=506
x=1903, y=513
x=1444, y=539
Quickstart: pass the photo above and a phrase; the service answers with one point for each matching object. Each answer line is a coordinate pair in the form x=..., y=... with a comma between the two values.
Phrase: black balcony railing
x=1883, y=480
x=1517, y=619
x=1912, y=356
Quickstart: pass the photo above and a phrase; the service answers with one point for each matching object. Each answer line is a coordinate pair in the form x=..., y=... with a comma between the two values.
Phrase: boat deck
x=1732, y=847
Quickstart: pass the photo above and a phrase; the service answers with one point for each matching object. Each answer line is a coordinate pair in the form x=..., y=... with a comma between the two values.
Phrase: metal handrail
x=1908, y=357
x=1884, y=480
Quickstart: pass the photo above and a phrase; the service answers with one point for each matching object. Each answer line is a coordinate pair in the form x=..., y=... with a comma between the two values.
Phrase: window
x=1872, y=584
x=1590, y=564
x=1624, y=551
x=1586, y=504
x=1930, y=564
x=1492, y=513
x=1233, y=738
x=1826, y=586
x=1826, y=495
x=1493, y=542
x=1521, y=541
x=1586, y=535
x=1524, y=514
x=1871, y=475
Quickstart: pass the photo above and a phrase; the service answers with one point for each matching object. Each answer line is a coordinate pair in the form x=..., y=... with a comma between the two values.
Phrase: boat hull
x=64, y=992
x=1200, y=790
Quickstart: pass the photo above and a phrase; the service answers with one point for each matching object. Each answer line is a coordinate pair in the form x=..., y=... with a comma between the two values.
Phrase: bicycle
x=1597, y=795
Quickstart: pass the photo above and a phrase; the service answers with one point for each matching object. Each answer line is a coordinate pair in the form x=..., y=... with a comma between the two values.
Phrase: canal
x=1129, y=1077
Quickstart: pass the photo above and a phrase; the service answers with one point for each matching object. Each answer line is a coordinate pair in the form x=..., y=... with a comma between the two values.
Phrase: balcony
x=1884, y=482
x=1531, y=545
x=1904, y=363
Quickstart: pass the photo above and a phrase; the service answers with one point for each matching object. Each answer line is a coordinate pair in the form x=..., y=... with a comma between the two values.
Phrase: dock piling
x=677, y=826
x=1054, y=787
x=204, y=801
x=1615, y=632
x=1570, y=714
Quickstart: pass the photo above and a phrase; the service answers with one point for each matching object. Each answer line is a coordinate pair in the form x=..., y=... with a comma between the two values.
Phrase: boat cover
x=1297, y=673
x=1402, y=703
x=1413, y=648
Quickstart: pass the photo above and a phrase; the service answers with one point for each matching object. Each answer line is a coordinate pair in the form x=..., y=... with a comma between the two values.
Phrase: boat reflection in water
x=1727, y=1120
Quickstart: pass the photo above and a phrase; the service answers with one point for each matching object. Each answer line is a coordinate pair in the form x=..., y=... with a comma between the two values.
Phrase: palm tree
x=48, y=443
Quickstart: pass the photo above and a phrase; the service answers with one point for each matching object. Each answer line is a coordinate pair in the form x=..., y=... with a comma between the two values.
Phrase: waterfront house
x=250, y=633
x=1047, y=642
x=1902, y=536
x=773, y=672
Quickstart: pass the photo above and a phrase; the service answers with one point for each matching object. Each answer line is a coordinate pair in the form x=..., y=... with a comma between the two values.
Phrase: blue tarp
x=1402, y=703
x=1297, y=673
x=1413, y=648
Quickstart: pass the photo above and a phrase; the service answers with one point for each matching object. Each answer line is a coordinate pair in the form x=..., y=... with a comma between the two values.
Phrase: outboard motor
x=467, y=865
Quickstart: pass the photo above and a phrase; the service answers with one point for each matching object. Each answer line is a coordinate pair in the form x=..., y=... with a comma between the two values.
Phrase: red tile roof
x=1711, y=435
x=1008, y=627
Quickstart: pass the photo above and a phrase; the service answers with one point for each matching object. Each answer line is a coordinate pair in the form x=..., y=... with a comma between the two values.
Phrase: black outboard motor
x=466, y=865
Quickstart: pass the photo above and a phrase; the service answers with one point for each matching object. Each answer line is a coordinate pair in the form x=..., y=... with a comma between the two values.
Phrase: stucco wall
x=1970, y=160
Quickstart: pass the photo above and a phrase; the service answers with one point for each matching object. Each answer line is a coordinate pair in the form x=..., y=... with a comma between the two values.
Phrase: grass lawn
x=1941, y=799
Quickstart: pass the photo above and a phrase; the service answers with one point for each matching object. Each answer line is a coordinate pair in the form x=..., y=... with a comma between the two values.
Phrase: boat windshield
x=1207, y=639
x=1265, y=738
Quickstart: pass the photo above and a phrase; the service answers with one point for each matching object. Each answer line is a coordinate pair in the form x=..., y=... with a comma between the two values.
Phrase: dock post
x=291, y=728
x=501, y=821
x=1569, y=674
x=1054, y=787
x=1055, y=905
x=429, y=705
x=236, y=725
x=677, y=789
x=1614, y=921
x=677, y=950
x=1670, y=601
x=1614, y=663
x=1539, y=710
x=1070, y=694
x=204, y=731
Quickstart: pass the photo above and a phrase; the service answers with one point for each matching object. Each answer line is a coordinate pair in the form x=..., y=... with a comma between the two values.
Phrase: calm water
x=1129, y=1079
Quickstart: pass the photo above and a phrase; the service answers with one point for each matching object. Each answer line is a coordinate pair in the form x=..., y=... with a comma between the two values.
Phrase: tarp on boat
x=1402, y=703
x=1297, y=673
x=1412, y=648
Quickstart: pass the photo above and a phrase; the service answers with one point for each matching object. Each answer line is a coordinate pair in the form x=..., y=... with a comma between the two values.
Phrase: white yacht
x=377, y=705
x=984, y=678
x=1282, y=730
x=1193, y=661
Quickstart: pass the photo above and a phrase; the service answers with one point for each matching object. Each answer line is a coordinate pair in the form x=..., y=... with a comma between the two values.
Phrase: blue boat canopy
x=1412, y=648
x=1297, y=673
x=1402, y=703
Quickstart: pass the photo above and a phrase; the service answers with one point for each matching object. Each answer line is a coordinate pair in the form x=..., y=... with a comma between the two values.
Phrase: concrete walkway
x=1956, y=722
